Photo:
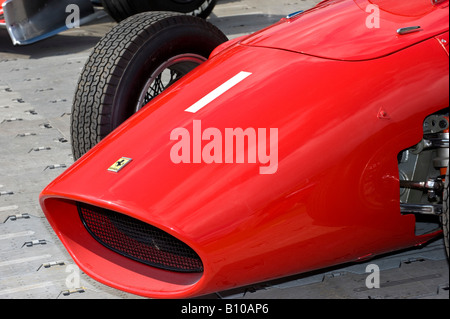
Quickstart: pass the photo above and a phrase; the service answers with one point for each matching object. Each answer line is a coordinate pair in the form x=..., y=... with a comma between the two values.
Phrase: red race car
x=206, y=164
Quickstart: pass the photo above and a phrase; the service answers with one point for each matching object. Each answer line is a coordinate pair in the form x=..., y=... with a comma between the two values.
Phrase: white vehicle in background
x=29, y=21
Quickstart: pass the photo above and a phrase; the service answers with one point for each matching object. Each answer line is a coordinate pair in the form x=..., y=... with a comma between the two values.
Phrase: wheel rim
x=166, y=74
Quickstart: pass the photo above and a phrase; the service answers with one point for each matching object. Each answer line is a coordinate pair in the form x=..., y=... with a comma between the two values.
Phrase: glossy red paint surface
x=333, y=198
x=339, y=29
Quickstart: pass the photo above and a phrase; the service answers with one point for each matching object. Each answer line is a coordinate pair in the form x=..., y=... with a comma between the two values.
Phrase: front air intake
x=139, y=241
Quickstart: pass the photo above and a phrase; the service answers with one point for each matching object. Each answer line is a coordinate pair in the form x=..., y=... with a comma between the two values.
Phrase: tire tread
x=101, y=75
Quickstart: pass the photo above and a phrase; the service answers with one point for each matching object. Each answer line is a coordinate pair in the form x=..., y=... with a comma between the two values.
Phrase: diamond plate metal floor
x=36, y=90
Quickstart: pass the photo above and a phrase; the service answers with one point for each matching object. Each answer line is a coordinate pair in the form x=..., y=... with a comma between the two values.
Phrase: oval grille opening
x=139, y=241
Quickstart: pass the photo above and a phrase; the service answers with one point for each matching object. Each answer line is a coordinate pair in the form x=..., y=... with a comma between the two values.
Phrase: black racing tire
x=445, y=214
x=122, y=9
x=126, y=68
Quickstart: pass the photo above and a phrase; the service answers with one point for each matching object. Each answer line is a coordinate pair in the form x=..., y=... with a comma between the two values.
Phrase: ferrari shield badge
x=119, y=164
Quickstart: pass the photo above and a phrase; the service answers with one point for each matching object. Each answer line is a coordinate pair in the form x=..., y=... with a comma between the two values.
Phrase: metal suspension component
x=421, y=209
x=421, y=169
x=432, y=184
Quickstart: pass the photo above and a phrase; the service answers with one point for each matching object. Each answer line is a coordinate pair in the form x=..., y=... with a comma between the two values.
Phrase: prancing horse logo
x=119, y=164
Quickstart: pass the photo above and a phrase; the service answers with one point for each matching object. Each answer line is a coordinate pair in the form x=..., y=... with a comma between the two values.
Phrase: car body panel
x=325, y=31
x=333, y=196
x=443, y=40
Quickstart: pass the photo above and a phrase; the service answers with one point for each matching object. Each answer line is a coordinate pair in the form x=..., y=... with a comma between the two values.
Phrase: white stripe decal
x=194, y=108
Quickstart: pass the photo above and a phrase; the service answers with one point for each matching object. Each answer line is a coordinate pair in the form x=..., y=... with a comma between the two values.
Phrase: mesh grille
x=138, y=240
